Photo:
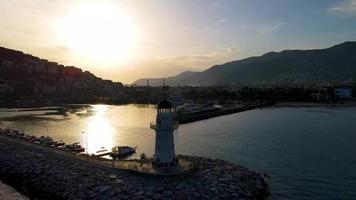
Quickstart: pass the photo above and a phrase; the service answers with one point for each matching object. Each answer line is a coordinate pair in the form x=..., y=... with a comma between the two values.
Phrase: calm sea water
x=310, y=153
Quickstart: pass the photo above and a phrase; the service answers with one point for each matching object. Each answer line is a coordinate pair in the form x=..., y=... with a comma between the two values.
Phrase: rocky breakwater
x=44, y=173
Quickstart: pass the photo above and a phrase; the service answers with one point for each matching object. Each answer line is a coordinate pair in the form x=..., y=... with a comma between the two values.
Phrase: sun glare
x=98, y=32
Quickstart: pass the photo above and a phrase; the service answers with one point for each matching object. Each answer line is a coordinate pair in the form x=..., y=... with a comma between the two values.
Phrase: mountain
x=336, y=64
x=26, y=78
x=172, y=81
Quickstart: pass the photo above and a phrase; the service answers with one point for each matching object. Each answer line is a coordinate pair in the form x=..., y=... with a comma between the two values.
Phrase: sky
x=124, y=40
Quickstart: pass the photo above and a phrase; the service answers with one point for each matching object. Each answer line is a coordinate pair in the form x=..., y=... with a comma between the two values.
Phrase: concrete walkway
x=9, y=193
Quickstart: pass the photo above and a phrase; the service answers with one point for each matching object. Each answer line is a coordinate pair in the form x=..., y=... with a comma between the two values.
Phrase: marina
x=59, y=174
x=269, y=140
x=169, y=175
x=164, y=161
x=143, y=165
x=117, y=152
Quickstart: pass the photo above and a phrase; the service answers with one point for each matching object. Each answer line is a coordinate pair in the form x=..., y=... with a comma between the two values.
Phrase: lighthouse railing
x=153, y=125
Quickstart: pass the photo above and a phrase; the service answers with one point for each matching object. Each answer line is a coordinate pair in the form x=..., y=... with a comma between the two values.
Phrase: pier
x=187, y=117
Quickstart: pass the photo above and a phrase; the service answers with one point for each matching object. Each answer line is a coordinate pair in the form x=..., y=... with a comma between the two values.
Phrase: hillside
x=336, y=64
x=29, y=79
x=172, y=81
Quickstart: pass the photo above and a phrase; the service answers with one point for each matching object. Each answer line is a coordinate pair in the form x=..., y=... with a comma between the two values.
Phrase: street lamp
x=46, y=130
x=86, y=141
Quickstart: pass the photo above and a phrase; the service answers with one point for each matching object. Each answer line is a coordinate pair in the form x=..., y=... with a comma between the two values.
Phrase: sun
x=98, y=32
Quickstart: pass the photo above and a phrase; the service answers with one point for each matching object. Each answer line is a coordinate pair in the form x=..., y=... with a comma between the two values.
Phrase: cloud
x=149, y=69
x=232, y=49
x=63, y=48
x=223, y=20
x=347, y=7
x=263, y=30
x=192, y=58
x=201, y=60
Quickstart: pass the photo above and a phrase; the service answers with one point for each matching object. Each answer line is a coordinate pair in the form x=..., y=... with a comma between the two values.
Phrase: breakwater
x=44, y=173
x=184, y=118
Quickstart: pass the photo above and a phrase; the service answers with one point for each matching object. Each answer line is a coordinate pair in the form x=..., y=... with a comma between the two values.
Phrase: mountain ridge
x=330, y=65
x=171, y=80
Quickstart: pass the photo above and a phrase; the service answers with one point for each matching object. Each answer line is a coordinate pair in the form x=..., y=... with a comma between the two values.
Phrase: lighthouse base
x=147, y=166
x=158, y=164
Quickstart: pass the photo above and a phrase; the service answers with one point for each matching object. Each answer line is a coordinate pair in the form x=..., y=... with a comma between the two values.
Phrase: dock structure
x=145, y=166
x=188, y=117
x=107, y=153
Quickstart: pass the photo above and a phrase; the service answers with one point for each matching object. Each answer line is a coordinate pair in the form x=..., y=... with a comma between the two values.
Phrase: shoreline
x=42, y=172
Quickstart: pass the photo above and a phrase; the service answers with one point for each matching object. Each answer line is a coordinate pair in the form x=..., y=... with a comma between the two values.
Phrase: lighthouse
x=164, y=148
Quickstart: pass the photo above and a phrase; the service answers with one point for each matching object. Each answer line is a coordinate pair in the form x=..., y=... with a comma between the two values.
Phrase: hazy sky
x=130, y=39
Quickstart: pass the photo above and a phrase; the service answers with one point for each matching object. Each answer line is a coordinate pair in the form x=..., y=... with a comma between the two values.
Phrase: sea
x=308, y=152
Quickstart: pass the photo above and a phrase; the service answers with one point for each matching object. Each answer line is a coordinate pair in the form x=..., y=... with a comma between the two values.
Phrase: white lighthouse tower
x=164, y=148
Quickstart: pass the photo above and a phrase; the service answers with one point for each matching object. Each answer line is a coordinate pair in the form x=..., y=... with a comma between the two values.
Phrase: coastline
x=43, y=172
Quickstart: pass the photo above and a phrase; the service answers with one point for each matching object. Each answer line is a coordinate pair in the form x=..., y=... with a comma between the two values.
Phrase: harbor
x=40, y=166
x=177, y=100
x=252, y=139
x=143, y=165
x=43, y=171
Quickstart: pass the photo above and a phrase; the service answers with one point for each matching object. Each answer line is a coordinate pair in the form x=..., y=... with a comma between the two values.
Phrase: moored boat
x=102, y=149
x=59, y=143
x=122, y=151
x=75, y=147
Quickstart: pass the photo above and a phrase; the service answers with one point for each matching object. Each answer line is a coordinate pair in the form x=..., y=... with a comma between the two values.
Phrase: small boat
x=102, y=149
x=21, y=134
x=75, y=147
x=78, y=149
x=59, y=143
x=122, y=151
x=45, y=140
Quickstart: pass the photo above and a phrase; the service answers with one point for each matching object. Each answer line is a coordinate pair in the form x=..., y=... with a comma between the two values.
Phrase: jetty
x=187, y=117
x=44, y=171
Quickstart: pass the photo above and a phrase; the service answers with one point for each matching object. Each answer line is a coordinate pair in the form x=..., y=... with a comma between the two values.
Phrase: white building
x=164, y=127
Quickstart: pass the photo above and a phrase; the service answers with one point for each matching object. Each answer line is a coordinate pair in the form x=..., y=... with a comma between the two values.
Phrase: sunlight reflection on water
x=93, y=126
x=99, y=132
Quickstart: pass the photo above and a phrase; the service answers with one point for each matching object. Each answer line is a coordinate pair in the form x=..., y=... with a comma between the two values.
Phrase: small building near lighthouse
x=164, y=143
